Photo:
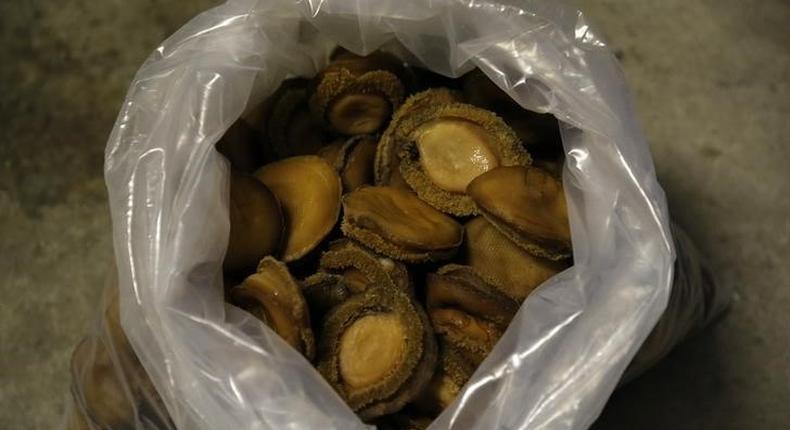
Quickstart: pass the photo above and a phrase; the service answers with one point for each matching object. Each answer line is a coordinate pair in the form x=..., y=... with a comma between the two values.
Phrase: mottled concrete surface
x=64, y=69
x=712, y=85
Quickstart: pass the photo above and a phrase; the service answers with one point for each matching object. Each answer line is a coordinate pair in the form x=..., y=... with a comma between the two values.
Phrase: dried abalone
x=291, y=128
x=527, y=204
x=353, y=160
x=240, y=145
x=256, y=224
x=451, y=375
x=387, y=171
x=502, y=263
x=467, y=312
x=323, y=291
x=274, y=297
x=100, y=387
x=109, y=383
x=357, y=95
x=362, y=267
x=309, y=191
x=399, y=225
x=442, y=149
x=377, y=350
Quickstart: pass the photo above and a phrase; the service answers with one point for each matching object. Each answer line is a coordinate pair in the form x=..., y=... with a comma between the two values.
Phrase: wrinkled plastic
x=109, y=387
x=216, y=367
x=108, y=381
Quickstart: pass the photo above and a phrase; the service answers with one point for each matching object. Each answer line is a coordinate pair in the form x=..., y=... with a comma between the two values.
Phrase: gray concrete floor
x=711, y=81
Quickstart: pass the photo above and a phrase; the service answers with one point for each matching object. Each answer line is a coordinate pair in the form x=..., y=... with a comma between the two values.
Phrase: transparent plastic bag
x=216, y=367
x=110, y=389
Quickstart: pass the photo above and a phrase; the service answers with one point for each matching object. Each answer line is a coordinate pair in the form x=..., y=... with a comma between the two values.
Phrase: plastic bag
x=696, y=300
x=111, y=390
x=216, y=367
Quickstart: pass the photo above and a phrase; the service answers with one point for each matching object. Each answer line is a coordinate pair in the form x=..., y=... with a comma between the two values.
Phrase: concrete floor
x=712, y=84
